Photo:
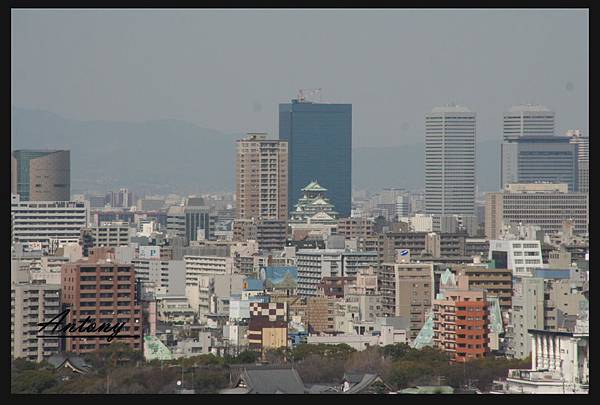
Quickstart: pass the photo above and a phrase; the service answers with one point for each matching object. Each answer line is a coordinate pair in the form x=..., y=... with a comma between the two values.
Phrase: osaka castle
x=313, y=207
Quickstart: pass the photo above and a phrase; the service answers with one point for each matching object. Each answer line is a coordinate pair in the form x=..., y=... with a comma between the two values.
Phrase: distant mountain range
x=164, y=156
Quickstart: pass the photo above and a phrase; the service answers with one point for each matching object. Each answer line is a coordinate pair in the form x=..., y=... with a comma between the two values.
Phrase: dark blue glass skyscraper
x=319, y=148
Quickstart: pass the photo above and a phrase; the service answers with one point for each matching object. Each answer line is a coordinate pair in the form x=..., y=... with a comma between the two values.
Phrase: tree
x=33, y=381
x=318, y=369
x=370, y=360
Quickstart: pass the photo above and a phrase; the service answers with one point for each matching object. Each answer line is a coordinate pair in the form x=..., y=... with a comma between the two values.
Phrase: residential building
x=31, y=302
x=41, y=222
x=540, y=204
x=320, y=314
x=319, y=136
x=407, y=290
x=496, y=282
x=314, y=264
x=198, y=266
x=450, y=161
x=333, y=286
x=461, y=322
x=270, y=234
x=355, y=227
x=261, y=178
x=42, y=175
x=106, y=291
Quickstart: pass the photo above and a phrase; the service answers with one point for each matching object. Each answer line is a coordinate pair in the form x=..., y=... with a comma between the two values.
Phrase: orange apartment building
x=460, y=322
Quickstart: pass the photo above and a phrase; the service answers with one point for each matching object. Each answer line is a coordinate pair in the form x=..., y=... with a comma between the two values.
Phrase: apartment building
x=355, y=227
x=314, y=264
x=262, y=178
x=320, y=314
x=494, y=281
x=407, y=290
x=461, y=323
x=106, y=291
x=31, y=302
x=269, y=233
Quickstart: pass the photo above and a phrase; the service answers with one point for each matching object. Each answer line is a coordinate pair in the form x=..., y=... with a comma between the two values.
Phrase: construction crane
x=304, y=93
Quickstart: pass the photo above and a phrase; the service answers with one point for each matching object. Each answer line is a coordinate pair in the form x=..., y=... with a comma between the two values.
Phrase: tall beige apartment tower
x=262, y=178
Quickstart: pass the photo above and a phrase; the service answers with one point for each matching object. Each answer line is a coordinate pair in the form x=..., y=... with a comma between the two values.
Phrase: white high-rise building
x=450, y=161
x=526, y=120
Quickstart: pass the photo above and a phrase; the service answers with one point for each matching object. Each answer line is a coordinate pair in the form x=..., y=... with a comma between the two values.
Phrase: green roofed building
x=154, y=349
x=425, y=336
x=313, y=206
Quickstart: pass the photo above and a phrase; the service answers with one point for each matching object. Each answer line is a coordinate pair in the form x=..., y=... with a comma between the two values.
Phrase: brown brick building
x=496, y=282
x=104, y=290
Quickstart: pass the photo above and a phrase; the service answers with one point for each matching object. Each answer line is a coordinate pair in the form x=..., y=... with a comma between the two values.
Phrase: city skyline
x=416, y=222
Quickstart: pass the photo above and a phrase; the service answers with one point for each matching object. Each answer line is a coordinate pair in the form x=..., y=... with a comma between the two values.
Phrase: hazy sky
x=228, y=69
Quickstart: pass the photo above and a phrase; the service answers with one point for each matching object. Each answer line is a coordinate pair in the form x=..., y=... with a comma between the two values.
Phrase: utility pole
x=107, y=383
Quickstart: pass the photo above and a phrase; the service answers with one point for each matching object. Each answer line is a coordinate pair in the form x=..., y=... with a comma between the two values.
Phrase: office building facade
x=544, y=205
x=319, y=140
x=450, y=161
x=42, y=175
x=531, y=152
x=40, y=222
x=582, y=141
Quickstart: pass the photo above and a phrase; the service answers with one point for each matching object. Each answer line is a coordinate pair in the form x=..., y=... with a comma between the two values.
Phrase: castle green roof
x=314, y=186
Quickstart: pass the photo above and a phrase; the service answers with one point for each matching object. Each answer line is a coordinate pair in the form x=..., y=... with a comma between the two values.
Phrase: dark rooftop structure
x=264, y=379
x=74, y=363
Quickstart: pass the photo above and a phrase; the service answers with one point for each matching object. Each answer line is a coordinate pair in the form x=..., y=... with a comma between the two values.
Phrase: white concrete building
x=522, y=256
x=111, y=234
x=174, y=309
x=41, y=221
x=168, y=274
x=559, y=364
x=314, y=264
x=419, y=222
